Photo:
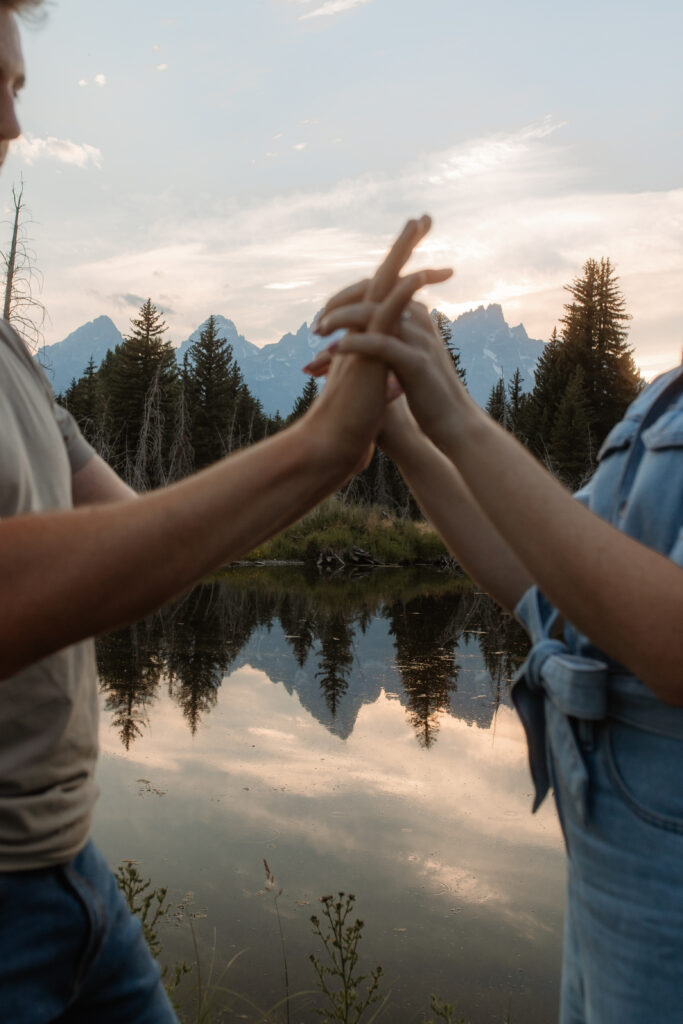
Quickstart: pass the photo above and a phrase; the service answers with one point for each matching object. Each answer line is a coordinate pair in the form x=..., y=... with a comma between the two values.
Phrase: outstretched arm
x=71, y=574
x=626, y=597
x=448, y=504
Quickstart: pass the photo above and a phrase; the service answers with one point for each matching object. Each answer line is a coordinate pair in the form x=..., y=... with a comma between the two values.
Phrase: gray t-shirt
x=48, y=711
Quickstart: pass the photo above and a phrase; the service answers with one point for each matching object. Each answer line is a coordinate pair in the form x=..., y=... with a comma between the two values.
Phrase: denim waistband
x=554, y=686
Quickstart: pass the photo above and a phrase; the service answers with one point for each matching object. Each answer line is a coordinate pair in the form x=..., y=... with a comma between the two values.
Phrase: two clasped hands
x=383, y=322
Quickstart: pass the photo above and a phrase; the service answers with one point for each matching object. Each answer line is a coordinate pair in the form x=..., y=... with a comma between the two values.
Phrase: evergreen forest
x=155, y=421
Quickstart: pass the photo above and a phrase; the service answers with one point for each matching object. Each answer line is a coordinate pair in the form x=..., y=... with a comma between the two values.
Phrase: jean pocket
x=646, y=770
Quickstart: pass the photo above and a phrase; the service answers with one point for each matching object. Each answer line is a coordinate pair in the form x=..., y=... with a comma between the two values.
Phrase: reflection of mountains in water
x=374, y=670
x=426, y=640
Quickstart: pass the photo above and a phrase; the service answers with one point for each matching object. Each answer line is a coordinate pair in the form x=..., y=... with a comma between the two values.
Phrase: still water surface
x=358, y=734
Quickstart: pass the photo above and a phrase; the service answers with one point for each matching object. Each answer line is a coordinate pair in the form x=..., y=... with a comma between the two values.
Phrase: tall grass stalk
x=271, y=887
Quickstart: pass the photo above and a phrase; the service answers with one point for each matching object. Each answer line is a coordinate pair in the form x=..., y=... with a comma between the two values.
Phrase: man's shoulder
x=14, y=353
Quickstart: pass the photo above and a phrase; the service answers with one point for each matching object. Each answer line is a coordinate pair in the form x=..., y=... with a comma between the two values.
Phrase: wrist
x=327, y=455
x=466, y=424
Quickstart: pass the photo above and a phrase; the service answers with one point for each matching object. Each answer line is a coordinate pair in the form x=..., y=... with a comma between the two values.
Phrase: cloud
x=299, y=145
x=64, y=151
x=128, y=299
x=285, y=286
x=332, y=7
x=82, y=82
x=162, y=67
x=511, y=214
x=124, y=300
x=293, y=768
x=100, y=79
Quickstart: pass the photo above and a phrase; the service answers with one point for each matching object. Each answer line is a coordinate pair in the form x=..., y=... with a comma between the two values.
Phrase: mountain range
x=489, y=349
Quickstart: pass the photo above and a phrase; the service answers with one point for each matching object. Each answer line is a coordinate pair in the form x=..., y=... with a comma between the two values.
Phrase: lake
x=357, y=734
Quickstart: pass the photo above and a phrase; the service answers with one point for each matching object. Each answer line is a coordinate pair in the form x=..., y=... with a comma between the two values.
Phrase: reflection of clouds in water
x=467, y=799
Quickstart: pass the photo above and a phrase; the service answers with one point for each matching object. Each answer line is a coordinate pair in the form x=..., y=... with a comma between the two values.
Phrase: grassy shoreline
x=390, y=539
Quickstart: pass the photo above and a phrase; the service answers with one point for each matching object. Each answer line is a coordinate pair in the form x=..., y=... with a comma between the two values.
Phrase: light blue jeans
x=623, y=948
x=71, y=952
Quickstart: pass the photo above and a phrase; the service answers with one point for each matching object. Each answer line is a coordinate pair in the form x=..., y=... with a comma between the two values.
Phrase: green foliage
x=305, y=399
x=445, y=329
x=211, y=380
x=223, y=413
x=443, y=1012
x=150, y=907
x=154, y=423
x=496, y=406
x=571, y=435
x=340, y=526
x=585, y=379
x=594, y=332
x=349, y=995
x=516, y=401
x=83, y=399
x=143, y=388
x=338, y=978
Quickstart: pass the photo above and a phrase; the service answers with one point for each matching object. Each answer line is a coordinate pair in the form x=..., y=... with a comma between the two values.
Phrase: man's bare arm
x=68, y=575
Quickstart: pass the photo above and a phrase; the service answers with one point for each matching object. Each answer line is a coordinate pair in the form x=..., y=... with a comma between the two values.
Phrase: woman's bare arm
x=623, y=595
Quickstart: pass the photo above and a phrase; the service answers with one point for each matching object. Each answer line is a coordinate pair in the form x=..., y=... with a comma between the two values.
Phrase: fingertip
x=410, y=228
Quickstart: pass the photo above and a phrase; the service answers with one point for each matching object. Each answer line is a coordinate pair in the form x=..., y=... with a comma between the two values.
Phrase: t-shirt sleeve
x=77, y=448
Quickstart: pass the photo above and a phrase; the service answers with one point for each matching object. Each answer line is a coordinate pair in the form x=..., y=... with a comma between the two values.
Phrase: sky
x=250, y=158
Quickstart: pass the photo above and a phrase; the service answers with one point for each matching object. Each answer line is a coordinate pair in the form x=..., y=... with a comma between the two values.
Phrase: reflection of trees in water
x=195, y=641
x=425, y=658
x=130, y=663
x=336, y=659
x=196, y=653
x=299, y=625
x=502, y=641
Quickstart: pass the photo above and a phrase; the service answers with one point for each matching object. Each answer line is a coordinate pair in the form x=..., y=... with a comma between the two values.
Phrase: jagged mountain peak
x=489, y=349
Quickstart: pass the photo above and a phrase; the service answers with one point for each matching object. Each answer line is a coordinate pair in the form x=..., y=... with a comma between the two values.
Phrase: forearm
x=450, y=507
x=69, y=575
x=626, y=597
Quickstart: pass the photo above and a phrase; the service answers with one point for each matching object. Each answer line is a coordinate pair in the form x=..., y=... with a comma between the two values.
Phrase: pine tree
x=571, y=438
x=305, y=399
x=497, y=406
x=538, y=415
x=445, y=329
x=595, y=337
x=143, y=383
x=212, y=381
x=516, y=399
x=84, y=401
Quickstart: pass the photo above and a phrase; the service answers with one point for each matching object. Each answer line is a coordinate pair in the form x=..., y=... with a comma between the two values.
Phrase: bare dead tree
x=23, y=281
x=148, y=451
x=181, y=460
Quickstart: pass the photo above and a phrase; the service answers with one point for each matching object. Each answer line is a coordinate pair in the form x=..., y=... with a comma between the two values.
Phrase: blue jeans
x=71, y=952
x=623, y=949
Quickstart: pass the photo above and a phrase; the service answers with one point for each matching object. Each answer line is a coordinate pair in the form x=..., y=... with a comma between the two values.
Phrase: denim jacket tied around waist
x=637, y=487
